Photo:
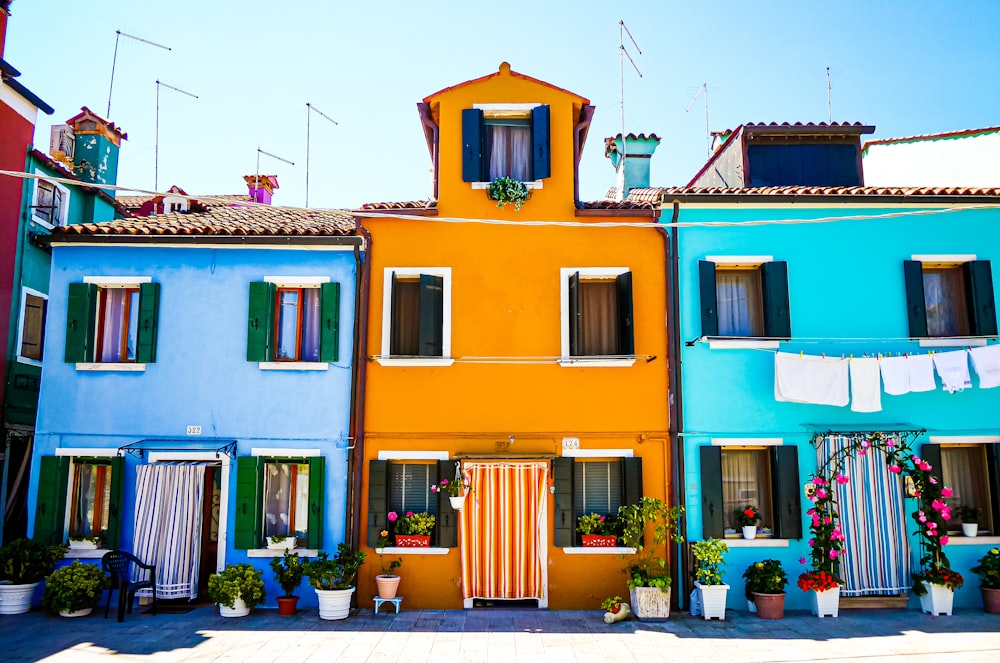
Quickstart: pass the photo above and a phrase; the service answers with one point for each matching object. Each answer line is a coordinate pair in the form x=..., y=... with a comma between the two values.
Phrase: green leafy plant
x=453, y=488
x=26, y=561
x=277, y=538
x=766, y=577
x=612, y=604
x=595, y=523
x=418, y=524
x=708, y=557
x=237, y=581
x=747, y=516
x=937, y=576
x=969, y=514
x=74, y=587
x=96, y=539
x=380, y=546
x=288, y=572
x=506, y=190
x=647, y=568
x=988, y=569
x=337, y=573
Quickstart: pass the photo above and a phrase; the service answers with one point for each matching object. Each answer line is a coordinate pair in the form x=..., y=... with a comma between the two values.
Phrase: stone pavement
x=500, y=635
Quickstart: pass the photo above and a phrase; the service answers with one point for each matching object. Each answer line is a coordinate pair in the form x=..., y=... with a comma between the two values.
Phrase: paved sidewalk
x=500, y=635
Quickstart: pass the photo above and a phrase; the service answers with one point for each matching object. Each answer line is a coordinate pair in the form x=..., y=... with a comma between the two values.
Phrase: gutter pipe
x=358, y=382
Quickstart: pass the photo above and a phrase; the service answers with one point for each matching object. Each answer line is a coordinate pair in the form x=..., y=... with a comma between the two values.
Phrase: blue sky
x=911, y=67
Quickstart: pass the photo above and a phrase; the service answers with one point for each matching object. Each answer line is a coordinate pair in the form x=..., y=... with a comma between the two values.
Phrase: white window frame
x=20, y=326
x=386, y=358
x=63, y=210
x=565, y=358
x=498, y=110
x=947, y=260
x=109, y=282
x=740, y=262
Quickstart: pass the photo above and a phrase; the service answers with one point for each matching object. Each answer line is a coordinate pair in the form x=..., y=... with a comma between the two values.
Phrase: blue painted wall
x=845, y=282
x=201, y=376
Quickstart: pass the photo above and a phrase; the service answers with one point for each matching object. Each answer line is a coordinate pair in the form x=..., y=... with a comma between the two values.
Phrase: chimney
x=4, y=13
x=261, y=187
x=95, y=150
x=633, y=170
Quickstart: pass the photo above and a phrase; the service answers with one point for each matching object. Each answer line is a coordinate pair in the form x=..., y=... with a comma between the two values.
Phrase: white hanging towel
x=953, y=369
x=810, y=379
x=895, y=375
x=986, y=361
x=866, y=389
x=921, y=370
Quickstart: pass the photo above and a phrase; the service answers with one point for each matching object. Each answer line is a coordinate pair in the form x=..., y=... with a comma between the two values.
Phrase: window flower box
x=413, y=541
x=598, y=540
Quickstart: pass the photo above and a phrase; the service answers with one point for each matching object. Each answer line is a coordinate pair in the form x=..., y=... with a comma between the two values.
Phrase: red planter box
x=413, y=541
x=599, y=540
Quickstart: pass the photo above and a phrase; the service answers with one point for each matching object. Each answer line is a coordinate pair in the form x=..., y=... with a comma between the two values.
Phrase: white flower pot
x=334, y=603
x=16, y=599
x=75, y=613
x=938, y=599
x=970, y=529
x=288, y=543
x=749, y=531
x=826, y=603
x=82, y=545
x=239, y=609
x=713, y=600
x=650, y=603
x=457, y=502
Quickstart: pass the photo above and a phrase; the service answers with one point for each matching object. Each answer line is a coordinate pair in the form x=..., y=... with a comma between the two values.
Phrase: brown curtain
x=599, y=313
x=405, y=319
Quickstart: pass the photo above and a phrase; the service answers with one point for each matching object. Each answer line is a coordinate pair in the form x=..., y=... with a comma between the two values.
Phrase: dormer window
x=505, y=141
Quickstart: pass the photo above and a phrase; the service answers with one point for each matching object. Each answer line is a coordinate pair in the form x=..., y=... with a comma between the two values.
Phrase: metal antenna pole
x=114, y=60
x=156, y=168
x=829, y=96
x=256, y=183
x=309, y=109
x=622, y=54
x=708, y=134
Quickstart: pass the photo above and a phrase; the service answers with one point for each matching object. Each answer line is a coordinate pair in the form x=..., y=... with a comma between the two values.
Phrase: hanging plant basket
x=506, y=191
x=457, y=502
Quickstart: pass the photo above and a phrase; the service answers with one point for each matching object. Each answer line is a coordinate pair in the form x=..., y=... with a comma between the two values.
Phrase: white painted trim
x=580, y=550
x=18, y=104
x=952, y=342
x=297, y=281
x=739, y=260
x=102, y=452
x=585, y=273
x=96, y=553
x=740, y=344
x=63, y=209
x=598, y=453
x=964, y=439
x=507, y=107
x=956, y=258
x=756, y=543
x=747, y=441
x=959, y=540
x=536, y=184
x=162, y=456
x=117, y=281
x=214, y=247
x=594, y=362
x=111, y=367
x=20, y=326
x=445, y=274
x=391, y=454
x=415, y=361
x=277, y=452
x=267, y=552
x=293, y=366
x=392, y=550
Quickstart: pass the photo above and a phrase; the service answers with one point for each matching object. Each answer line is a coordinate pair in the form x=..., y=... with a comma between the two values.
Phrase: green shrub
x=237, y=581
x=708, y=558
x=988, y=569
x=765, y=577
x=25, y=561
x=337, y=573
x=74, y=587
x=288, y=572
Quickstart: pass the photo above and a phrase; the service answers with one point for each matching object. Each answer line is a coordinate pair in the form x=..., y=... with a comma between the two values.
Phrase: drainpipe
x=358, y=380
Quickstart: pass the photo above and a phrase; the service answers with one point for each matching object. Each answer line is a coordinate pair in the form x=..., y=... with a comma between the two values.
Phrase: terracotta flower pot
x=770, y=606
x=287, y=605
x=387, y=585
x=991, y=600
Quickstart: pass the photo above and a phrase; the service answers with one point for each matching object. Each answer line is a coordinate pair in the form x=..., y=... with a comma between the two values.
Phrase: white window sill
x=537, y=184
x=393, y=550
x=293, y=366
x=756, y=543
x=43, y=223
x=93, y=553
x=415, y=361
x=741, y=344
x=270, y=552
x=952, y=342
x=29, y=362
x=124, y=367
x=581, y=550
x=957, y=539
x=596, y=362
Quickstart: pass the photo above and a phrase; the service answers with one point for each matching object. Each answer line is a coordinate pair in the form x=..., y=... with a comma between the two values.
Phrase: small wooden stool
x=396, y=602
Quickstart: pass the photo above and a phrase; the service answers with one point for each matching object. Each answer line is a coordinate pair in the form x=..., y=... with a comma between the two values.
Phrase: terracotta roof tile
x=656, y=194
x=411, y=204
x=135, y=202
x=947, y=134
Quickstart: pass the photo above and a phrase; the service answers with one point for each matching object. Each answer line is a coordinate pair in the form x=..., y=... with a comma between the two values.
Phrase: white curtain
x=942, y=300
x=510, y=151
x=963, y=469
x=114, y=325
x=737, y=297
x=168, y=521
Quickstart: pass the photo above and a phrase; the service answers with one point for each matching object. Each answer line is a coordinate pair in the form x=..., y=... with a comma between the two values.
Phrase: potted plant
x=969, y=515
x=647, y=569
x=83, y=542
x=765, y=588
x=282, y=542
x=288, y=572
x=825, y=589
x=708, y=556
x=236, y=589
x=23, y=564
x=988, y=571
x=74, y=590
x=936, y=588
x=748, y=517
x=457, y=490
x=614, y=609
x=597, y=531
x=507, y=190
x=387, y=581
x=333, y=580
x=412, y=530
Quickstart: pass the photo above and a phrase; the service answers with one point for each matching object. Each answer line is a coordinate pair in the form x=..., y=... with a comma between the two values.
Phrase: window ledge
x=756, y=543
x=93, y=553
x=270, y=552
x=617, y=550
x=124, y=367
x=741, y=344
x=537, y=184
x=415, y=361
x=28, y=361
x=953, y=342
x=958, y=540
x=393, y=550
x=293, y=365
x=596, y=362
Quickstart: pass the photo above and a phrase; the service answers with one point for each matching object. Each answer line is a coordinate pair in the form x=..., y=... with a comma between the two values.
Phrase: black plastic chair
x=118, y=564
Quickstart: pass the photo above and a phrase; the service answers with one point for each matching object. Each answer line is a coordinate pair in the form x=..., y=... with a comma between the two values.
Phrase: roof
x=255, y=220
x=504, y=70
x=718, y=194
x=87, y=114
x=135, y=202
x=407, y=205
x=939, y=136
x=8, y=74
x=63, y=171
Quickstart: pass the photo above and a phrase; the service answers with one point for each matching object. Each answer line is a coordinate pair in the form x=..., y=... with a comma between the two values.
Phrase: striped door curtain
x=168, y=520
x=875, y=559
x=500, y=529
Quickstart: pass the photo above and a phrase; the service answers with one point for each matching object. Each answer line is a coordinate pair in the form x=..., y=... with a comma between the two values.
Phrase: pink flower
x=864, y=444
x=444, y=482
x=889, y=443
x=828, y=520
x=916, y=459
x=931, y=532
x=821, y=493
x=932, y=480
x=937, y=505
x=946, y=513
x=842, y=478
x=392, y=516
x=815, y=520
x=863, y=452
x=811, y=542
x=895, y=469
x=819, y=481
x=946, y=492
x=802, y=560
x=409, y=514
x=834, y=554
x=932, y=525
x=602, y=518
x=922, y=519
x=916, y=493
x=811, y=512
x=944, y=540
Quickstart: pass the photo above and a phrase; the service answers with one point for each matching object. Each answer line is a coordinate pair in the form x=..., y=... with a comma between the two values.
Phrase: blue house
x=196, y=396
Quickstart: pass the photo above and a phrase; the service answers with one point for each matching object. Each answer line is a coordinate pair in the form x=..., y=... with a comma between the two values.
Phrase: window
x=112, y=322
x=744, y=298
x=410, y=487
x=51, y=204
x=949, y=298
x=278, y=496
x=737, y=476
x=406, y=486
x=591, y=486
x=505, y=141
x=416, y=313
x=292, y=321
x=31, y=335
x=92, y=486
x=597, y=312
x=972, y=471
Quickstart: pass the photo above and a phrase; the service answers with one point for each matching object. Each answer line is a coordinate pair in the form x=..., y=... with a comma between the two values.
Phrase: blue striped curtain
x=876, y=559
x=168, y=520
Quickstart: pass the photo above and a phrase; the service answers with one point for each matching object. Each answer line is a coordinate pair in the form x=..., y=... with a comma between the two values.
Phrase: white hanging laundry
x=986, y=361
x=953, y=369
x=921, y=370
x=866, y=389
x=810, y=379
x=895, y=375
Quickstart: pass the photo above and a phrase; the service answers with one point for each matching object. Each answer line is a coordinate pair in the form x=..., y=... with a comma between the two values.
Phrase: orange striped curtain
x=500, y=529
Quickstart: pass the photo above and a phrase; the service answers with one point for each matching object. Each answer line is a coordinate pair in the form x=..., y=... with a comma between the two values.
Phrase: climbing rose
x=409, y=514
x=802, y=560
x=833, y=554
x=819, y=481
x=842, y=478
x=933, y=480
x=392, y=516
x=946, y=492
x=821, y=493
x=895, y=469
x=944, y=540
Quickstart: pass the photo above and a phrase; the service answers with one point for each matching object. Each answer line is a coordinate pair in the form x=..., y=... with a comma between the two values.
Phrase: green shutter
x=565, y=520
x=626, y=332
x=249, y=502
x=713, y=518
x=259, y=325
x=932, y=454
x=329, y=333
x=541, y=166
x=80, y=322
x=982, y=306
x=50, y=511
x=916, y=311
x=431, y=316
x=447, y=523
x=112, y=536
x=631, y=480
x=149, y=307
x=378, y=499
x=774, y=287
x=472, y=145
x=709, y=299
x=317, y=486
x=785, y=486
x=575, y=330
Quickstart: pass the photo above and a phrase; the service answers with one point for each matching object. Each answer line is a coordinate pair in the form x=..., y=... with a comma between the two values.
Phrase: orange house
x=525, y=349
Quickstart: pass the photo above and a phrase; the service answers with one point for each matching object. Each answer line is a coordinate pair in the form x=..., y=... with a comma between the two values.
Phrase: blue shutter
x=565, y=518
x=472, y=145
x=431, y=316
x=541, y=162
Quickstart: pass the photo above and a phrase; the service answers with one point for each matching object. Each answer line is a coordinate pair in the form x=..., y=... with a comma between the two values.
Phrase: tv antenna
x=156, y=168
x=118, y=35
x=829, y=96
x=310, y=109
x=708, y=134
x=256, y=183
x=622, y=54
